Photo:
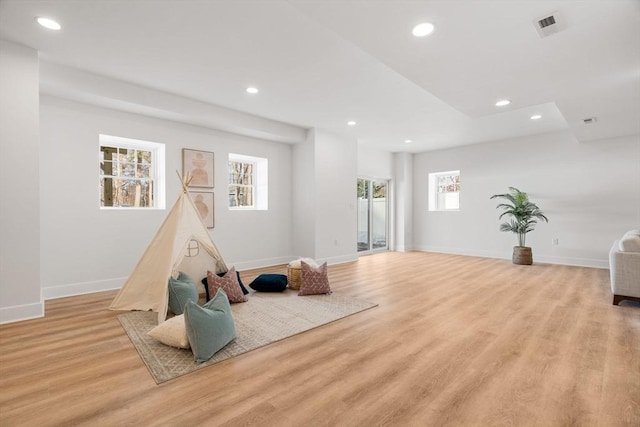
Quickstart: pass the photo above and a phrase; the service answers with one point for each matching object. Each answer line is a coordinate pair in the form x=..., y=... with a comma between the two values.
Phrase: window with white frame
x=444, y=191
x=248, y=182
x=131, y=173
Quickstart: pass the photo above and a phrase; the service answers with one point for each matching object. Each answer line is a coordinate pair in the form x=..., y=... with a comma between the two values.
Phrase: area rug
x=264, y=319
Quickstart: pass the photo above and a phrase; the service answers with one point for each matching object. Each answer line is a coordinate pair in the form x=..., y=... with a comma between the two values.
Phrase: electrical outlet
x=555, y=241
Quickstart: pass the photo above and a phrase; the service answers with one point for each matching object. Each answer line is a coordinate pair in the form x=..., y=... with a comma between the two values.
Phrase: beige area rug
x=265, y=318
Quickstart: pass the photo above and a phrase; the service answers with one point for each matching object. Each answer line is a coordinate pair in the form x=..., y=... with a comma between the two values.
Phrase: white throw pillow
x=297, y=263
x=630, y=243
x=171, y=332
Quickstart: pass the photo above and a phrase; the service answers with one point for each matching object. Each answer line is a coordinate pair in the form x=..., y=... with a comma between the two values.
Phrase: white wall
x=374, y=163
x=324, y=193
x=19, y=184
x=403, y=206
x=303, y=195
x=87, y=249
x=336, y=180
x=590, y=193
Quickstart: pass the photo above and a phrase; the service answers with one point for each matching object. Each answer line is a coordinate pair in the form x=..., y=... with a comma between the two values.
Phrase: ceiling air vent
x=549, y=20
x=589, y=120
x=550, y=24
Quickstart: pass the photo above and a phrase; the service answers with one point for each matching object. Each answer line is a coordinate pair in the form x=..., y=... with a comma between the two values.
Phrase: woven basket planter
x=294, y=277
x=522, y=255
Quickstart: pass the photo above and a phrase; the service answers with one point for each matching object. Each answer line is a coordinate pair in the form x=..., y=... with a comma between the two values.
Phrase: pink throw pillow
x=228, y=283
x=314, y=280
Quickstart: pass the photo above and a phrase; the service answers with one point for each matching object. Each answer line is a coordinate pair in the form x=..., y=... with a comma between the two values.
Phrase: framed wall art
x=204, y=205
x=198, y=165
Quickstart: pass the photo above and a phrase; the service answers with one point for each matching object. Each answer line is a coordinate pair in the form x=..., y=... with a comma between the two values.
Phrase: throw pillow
x=206, y=288
x=296, y=263
x=179, y=293
x=228, y=282
x=210, y=327
x=269, y=283
x=244, y=290
x=184, y=277
x=171, y=332
x=315, y=280
x=630, y=243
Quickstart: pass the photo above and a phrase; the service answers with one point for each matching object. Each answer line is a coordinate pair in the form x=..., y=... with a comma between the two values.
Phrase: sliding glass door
x=372, y=215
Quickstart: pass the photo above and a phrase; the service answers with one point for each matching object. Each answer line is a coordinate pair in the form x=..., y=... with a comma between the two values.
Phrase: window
x=444, y=191
x=131, y=173
x=248, y=186
x=372, y=214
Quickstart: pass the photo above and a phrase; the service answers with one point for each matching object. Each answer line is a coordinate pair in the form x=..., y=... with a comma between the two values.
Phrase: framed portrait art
x=204, y=205
x=198, y=165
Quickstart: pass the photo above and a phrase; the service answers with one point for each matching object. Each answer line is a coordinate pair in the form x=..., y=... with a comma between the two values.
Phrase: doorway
x=373, y=215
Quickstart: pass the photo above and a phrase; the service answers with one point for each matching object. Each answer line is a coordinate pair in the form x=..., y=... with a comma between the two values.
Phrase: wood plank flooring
x=454, y=341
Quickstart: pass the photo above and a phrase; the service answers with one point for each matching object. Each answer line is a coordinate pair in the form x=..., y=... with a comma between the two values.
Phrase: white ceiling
x=322, y=63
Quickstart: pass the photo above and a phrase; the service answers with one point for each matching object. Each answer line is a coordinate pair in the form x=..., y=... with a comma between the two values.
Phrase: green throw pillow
x=181, y=291
x=184, y=277
x=209, y=327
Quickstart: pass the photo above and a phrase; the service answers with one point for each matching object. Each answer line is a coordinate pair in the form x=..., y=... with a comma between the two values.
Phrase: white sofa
x=624, y=267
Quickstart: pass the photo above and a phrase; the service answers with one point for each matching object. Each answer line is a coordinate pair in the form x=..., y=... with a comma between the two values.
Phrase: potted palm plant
x=524, y=217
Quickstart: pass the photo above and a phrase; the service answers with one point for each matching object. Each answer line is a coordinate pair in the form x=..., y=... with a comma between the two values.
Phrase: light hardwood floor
x=454, y=341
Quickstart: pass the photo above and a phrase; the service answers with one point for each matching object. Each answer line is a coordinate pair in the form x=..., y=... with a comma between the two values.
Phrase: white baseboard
x=82, y=288
x=460, y=251
x=35, y=310
x=270, y=262
x=29, y=311
x=404, y=248
x=578, y=262
x=17, y=313
x=338, y=259
x=73, y=289
x=261, y=263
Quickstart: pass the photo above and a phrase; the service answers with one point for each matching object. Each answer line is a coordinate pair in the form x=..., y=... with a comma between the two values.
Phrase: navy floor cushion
x=269, y=283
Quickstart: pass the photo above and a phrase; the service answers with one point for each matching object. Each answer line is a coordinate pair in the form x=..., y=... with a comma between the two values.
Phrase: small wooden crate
x=294, y=277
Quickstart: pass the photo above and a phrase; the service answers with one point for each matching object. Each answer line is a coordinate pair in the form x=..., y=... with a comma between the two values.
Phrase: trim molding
x=35, y=310
x=260, y=263
x=578, y=262
x=30, y=311
x=270, y=262
x=81, y=288
x=341, y=259
x=18, y=313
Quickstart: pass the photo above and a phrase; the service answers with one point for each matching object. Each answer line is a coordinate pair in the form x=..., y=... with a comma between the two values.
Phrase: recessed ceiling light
x=252, y=90
x=536, y=117
x=423, y=29
x=48, y=23
x=351, y=123
x=407, y=141
x=503, y=102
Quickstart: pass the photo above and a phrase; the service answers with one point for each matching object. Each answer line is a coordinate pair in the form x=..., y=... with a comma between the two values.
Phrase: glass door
x=372, y=215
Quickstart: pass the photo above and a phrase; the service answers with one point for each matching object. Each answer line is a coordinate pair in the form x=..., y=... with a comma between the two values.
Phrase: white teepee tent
x=182, y=243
